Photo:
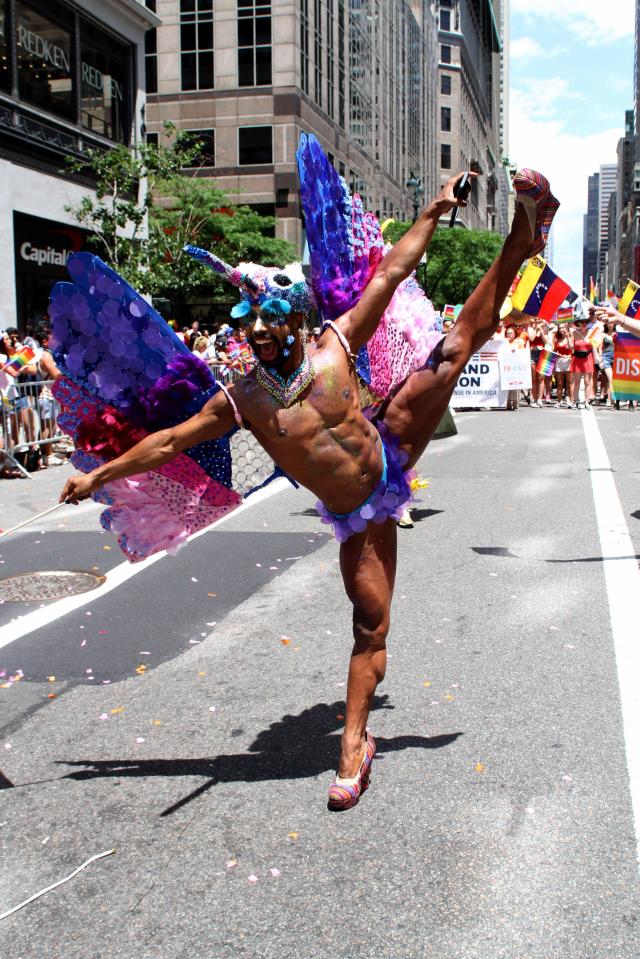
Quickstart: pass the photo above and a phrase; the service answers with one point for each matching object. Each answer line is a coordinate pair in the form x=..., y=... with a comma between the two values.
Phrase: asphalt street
x=189, y=718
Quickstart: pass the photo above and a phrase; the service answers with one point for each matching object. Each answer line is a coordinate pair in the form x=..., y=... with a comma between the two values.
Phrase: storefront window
x=4, y=55
x=44, y=54
x=104, y=84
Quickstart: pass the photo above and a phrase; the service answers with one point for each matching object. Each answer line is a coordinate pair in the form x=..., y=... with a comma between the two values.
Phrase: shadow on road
x=295, y=747
x=591, y=559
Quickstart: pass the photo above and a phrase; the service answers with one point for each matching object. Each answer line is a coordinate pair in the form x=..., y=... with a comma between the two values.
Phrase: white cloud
x=523, y=48
x=592, y=21
x=540, y=140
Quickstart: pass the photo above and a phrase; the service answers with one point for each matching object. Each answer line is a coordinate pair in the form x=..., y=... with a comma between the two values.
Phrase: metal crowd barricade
x=29, y=415
x=29, y=412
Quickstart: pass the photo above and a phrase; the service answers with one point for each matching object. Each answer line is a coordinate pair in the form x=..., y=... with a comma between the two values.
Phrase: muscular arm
x=630, y=325
x=360, y=323
x=214, y=420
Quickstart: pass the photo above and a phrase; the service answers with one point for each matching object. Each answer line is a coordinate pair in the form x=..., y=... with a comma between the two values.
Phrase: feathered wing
x=345, y=247
x=127, y=374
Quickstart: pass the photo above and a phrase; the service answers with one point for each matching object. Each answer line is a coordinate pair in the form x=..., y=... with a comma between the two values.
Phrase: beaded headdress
x=273, y=289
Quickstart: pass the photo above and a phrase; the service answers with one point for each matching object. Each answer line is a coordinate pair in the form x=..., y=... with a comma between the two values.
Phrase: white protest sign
x=515, y=367
x=479, y=383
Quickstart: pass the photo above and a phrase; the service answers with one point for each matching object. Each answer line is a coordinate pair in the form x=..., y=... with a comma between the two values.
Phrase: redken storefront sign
x=92, y=90
x=42, y=248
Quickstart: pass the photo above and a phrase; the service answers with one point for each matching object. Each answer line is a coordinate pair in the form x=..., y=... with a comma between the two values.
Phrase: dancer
x=304, y=408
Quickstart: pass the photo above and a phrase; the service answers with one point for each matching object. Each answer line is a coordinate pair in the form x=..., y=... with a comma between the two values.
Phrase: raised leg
x=416, y=409
x=368, y=566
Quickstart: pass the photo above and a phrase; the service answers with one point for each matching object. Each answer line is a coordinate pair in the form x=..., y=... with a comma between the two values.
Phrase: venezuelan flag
x=18, y=360
x=629, y=303
x=540, y=291
x=546, y=362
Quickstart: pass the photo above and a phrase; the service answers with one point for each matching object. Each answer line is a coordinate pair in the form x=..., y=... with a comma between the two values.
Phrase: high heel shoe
x=345, y=793
x=534, y=192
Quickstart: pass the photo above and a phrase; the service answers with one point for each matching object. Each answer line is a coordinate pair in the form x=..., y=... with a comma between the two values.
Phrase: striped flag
x=564, y=314
x=25, y=356
x=540, y=291
x=629, y=304
x=451, y=312
x=626, y=367
x=546, y=362
x=592, y=290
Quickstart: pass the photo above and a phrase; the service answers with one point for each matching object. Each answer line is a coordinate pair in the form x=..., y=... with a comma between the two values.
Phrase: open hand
x=78, y=487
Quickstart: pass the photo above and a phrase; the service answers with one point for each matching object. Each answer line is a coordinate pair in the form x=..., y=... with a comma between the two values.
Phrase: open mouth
x=266, y=348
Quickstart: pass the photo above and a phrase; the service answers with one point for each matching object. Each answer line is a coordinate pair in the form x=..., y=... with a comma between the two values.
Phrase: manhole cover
x=46, y=585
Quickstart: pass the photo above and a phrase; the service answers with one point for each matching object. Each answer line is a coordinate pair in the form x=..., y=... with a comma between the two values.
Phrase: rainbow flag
x=629, y=303
x=540, y=291
x=564, y=314
x=18, y=360
x=546, y=362
x=592, y=290
x=626, y=367
x=451, y=312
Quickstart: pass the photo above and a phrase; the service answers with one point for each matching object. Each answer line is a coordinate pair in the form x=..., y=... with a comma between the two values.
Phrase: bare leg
x=416, y=409
x=368, y=566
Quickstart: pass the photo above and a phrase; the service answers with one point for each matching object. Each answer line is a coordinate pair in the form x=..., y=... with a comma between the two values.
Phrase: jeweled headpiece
x=272, y=289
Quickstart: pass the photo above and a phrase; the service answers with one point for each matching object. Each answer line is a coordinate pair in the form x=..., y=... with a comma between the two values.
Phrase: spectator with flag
x=582, y=364
x=563, y=348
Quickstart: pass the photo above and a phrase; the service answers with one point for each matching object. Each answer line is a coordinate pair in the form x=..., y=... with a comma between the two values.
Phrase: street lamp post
x=414, y=184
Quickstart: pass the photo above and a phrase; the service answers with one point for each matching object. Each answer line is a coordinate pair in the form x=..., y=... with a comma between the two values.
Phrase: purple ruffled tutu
x=389, y=499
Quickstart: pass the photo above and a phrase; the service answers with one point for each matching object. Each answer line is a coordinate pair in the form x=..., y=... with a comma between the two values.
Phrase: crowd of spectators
x=583, y=364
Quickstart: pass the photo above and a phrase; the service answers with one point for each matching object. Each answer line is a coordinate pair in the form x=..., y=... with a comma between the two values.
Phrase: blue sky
x=571, y=66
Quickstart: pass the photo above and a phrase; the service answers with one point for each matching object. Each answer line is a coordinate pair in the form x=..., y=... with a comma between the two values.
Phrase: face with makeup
x=273, y=336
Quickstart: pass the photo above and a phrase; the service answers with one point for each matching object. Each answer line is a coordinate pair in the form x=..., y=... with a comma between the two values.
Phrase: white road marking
x=622, y=578
x=24, y=625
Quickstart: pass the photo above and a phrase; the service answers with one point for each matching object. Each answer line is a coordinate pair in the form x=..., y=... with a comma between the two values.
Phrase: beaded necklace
x=287, y=391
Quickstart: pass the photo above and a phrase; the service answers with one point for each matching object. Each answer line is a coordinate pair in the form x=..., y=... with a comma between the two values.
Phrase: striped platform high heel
x=534, y=192
x=345, y=793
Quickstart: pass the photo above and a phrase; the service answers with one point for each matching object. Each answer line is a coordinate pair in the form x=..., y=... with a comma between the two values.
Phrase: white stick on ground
x=75, y=872
x=32, y=519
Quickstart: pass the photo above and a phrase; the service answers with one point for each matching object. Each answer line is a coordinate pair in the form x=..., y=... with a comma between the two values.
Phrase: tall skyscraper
x=590, y=242
x=248, y=76
x=472, y=94
x=607, y=186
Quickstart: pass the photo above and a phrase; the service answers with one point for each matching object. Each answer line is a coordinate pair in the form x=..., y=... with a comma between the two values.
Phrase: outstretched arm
x=609, y=314
x=359, y=323
x=214, y=420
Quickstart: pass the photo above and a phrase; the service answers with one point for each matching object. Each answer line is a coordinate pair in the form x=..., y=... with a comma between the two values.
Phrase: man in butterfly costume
x=152, y=427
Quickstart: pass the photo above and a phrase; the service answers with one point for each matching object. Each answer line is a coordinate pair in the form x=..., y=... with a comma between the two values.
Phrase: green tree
x=157, y=188
x=456, y=260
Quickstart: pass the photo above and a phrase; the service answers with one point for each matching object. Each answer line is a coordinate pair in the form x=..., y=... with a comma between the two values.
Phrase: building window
x=153, y=140
x=445, y=156
x=255, y=145
x=5, y=79
x=207, y=144
x=45, y=60
x=445, y=83
x=104, y=68
x=304, y=45
x=317, y=51
x=445, y=53
x=445, y=118
x=254, y=43
x=341, y=71
x=331, y=63
x=196, y=44
x=151, y=54
x=445, y=19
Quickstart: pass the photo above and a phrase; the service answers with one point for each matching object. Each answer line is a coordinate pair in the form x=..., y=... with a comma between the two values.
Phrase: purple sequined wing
x=345, y=244
x=110, y=341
